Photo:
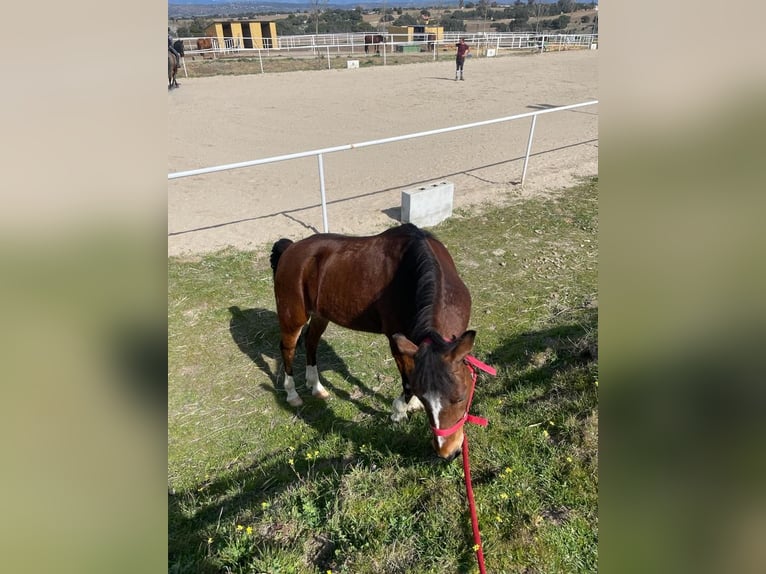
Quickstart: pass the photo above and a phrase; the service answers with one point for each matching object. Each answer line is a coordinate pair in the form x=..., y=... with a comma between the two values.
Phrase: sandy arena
x=229, y=119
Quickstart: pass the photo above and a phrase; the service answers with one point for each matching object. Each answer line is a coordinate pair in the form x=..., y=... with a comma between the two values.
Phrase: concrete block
x=351, y=64
x=427, y=205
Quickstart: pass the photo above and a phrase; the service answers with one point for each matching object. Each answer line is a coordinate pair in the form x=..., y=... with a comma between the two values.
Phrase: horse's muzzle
x=451, y=457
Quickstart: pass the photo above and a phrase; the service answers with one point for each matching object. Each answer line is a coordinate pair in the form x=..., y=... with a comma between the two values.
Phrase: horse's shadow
x=256, y=333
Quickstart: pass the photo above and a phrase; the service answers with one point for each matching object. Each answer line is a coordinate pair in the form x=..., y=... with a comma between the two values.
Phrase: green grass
x=257, y=486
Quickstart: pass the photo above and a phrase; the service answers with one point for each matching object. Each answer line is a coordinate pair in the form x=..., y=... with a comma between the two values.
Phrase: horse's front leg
x=317, y=326
x=407, y=401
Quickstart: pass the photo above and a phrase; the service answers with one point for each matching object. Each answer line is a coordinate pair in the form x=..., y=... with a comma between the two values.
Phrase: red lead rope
x=473, y=362
x=472, y=507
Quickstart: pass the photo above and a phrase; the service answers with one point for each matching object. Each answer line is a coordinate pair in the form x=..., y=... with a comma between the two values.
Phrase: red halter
x=470, y=362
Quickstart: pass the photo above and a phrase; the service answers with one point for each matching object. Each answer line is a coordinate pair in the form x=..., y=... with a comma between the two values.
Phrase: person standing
x=462, y=51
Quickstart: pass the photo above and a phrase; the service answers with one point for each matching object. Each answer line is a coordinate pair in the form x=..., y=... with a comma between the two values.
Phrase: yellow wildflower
x=476, y=547
x=265, y=505
x=249, y=530
x=503, y=496
x=499, y=518
x=508, y=470
x=240, y=527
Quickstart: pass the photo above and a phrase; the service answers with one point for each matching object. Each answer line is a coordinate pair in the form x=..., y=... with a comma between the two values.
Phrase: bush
x=452, y=25
x=405, y=20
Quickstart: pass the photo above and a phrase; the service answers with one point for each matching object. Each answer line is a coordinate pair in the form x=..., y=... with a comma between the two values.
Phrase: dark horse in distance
x=402, y=283
x=374, y=39
x=173, y=63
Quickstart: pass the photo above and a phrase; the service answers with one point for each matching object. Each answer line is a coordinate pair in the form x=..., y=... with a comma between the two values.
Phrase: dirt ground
x=229, y=119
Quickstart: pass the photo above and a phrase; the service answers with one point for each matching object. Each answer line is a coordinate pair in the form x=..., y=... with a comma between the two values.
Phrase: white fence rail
x=354, y=43
x=319, y=153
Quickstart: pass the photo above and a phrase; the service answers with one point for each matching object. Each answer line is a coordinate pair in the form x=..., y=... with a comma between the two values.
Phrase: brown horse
x=173, y=63
x=374, y=39
x=402, y=283
x=204, y=43
x=431, y=40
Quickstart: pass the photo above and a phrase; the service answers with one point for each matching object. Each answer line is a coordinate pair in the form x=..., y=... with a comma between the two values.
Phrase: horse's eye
x=461, y=399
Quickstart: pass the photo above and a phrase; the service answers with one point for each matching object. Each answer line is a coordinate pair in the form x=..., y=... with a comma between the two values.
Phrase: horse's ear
x=463, y=347
x=404, y=345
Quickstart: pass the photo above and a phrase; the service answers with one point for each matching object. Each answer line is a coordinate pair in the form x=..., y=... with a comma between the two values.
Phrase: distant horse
x=375, y=39
x=204, y=43
x=173, y=63
x=402, y=283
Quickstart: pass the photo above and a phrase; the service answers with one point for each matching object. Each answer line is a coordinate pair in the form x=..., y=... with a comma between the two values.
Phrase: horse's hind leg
x=317, y=326
x=287, y=344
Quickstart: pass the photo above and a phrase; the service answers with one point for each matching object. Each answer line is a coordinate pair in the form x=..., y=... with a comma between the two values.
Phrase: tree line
x=335, y=21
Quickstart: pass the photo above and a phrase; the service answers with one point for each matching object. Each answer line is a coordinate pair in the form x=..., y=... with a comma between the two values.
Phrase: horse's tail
x=276, y=252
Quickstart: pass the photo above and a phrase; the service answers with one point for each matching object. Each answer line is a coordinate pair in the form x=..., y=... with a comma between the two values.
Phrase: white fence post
x=322, y=193
x=529, y=148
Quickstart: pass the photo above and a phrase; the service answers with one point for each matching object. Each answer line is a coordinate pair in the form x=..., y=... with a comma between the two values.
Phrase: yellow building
x=417, y=33
x=243, y=34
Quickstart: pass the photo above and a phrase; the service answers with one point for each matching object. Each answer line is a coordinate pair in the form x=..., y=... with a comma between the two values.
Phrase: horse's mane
x=420, y=260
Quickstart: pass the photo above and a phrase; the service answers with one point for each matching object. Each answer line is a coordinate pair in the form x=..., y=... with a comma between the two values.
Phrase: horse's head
x=440, y=378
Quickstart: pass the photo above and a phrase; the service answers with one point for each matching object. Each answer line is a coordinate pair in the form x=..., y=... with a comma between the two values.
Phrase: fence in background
x=353, y=43
x=319, y=153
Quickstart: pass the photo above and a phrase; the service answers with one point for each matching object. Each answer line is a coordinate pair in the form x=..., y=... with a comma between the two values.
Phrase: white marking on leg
x=414, y=404
x=312, y=380
x=399, y=408
x=292, y=397
x=436, y=407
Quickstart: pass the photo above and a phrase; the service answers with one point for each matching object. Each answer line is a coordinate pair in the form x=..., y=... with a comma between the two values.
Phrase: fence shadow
x=294, y=214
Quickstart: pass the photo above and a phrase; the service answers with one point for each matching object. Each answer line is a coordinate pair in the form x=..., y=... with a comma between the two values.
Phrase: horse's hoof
x=295, y=401
x=321, y=394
